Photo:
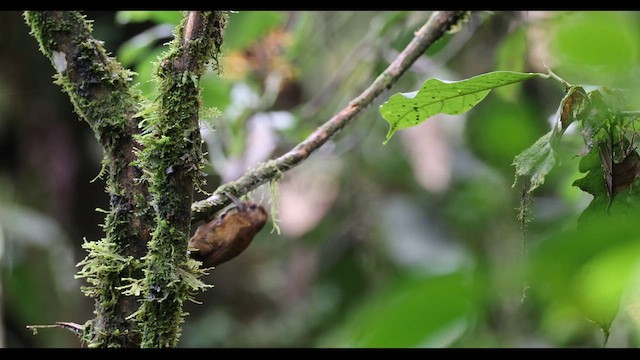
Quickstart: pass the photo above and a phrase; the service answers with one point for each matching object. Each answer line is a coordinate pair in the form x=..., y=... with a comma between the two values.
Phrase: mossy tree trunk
x=172, y=158
x=149, y=178
x=153, y=159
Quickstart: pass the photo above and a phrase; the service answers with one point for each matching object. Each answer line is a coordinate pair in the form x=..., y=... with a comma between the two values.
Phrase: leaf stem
x=556, y=77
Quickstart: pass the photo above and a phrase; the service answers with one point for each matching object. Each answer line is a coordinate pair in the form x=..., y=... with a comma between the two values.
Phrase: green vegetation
x=447, y=215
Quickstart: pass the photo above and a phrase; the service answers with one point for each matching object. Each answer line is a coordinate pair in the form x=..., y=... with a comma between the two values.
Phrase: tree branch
x=172, y=161
x=99, y=89
x=437, y=25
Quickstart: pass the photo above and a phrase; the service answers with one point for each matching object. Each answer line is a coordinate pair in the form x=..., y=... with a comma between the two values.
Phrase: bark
x=99, y=89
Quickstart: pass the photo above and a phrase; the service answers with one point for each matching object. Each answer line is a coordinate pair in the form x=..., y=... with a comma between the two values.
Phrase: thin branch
x=437, y=25
x=553, y=75
x=73, y=327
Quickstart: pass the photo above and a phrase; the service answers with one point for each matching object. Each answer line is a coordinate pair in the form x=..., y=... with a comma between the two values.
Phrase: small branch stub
x=73, y=327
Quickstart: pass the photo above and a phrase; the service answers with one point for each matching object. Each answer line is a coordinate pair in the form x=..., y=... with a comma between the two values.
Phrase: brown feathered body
x=226, y=236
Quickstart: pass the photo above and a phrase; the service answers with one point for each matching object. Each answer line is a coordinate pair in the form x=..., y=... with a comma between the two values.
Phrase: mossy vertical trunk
x=99, y=89
x=172, y=161
x=150, y=177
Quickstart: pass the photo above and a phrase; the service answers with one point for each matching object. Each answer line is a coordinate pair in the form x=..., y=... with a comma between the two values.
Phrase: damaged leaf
x=573, y=106
x=404, y=110
x=536, y=161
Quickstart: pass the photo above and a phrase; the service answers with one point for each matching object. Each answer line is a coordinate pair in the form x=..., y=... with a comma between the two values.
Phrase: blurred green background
x=411, y=244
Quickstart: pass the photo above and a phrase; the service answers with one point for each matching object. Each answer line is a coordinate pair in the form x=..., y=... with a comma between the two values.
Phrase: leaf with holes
x=536, y=161
x=404, y=110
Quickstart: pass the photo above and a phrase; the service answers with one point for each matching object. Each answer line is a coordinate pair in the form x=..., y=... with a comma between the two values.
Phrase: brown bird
x=226, y=236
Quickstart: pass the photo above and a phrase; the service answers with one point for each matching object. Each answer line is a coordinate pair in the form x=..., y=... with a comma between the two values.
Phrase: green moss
x=172, y=163
x=99, y=89
x=41, y=28
x=275, y=194
x=168, y=162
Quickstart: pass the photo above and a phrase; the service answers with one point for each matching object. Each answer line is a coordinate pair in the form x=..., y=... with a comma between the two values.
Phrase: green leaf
x=594, y=47
x=159, y=17
x=593, y=181
x=602, y=123
x=405, y=110
x=536, y=161
x=600, y=282
x=247, y=27
x=573, y=106
x=215, y=91
x=145, y=71
x=139, y=46
x=587, y=269
x=421, y=311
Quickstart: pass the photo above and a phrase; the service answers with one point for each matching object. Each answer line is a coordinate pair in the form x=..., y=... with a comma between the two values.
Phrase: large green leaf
x=431, y=311
x=594, y=47
x=586, y=269
x=247, y=27
x=405, y=110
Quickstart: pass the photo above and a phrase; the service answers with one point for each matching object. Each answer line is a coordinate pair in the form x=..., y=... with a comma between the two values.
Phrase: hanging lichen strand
x=99, y=89
x=172, y=162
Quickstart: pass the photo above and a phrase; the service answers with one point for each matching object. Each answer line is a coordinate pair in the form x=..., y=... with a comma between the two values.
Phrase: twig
x=73, y=327
x=437, y=25
x=556, y=77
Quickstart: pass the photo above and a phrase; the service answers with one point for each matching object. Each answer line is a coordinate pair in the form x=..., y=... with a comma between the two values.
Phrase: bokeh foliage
x=385, y=259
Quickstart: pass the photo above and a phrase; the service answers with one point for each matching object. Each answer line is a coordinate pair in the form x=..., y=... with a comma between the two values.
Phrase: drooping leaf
x=536, y=161
x=600, y=283
x=405, y=110
x=608, y=133
x=573, y=106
